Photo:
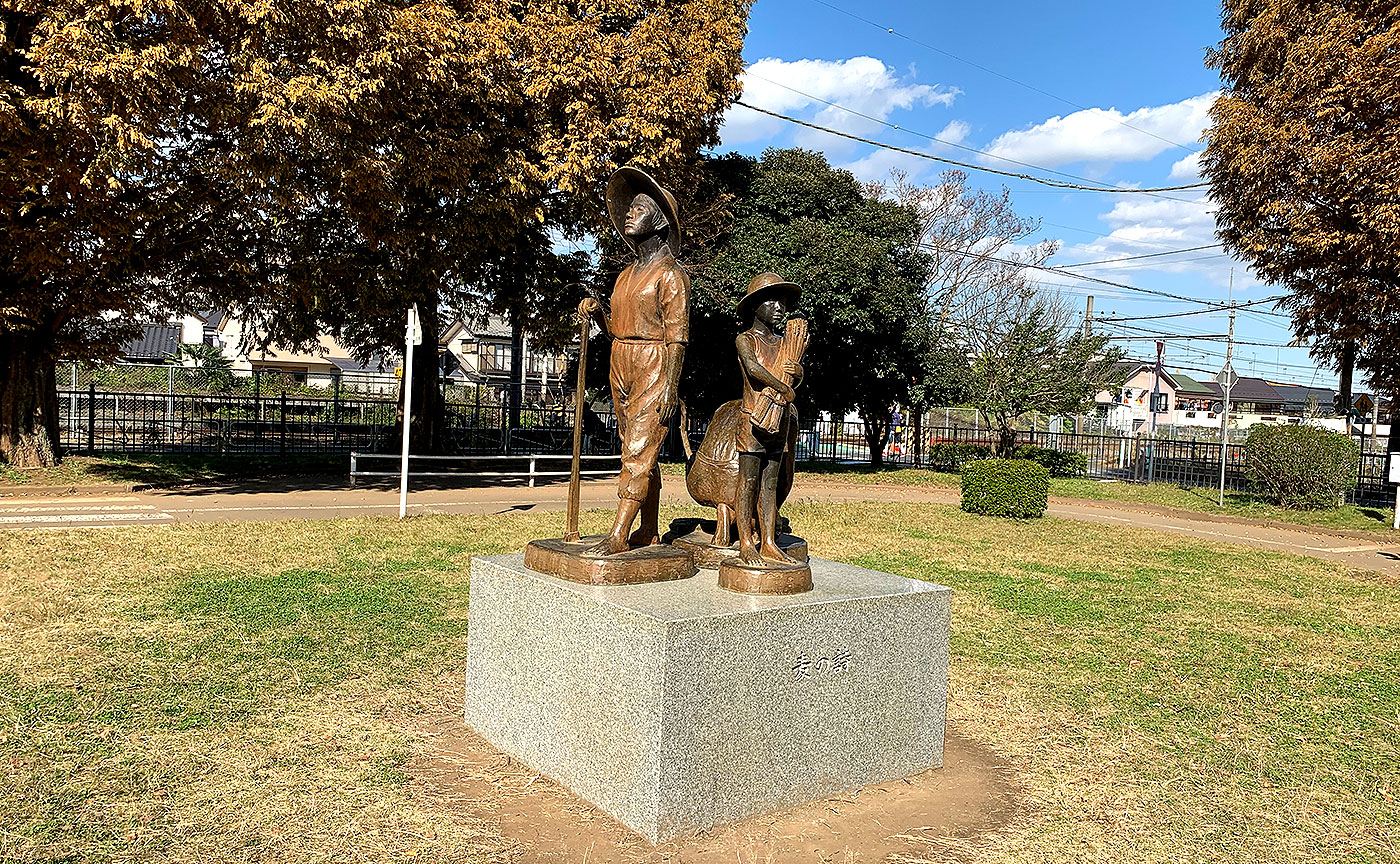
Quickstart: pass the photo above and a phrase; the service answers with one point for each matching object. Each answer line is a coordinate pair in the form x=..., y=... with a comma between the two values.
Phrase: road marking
x=76, y=508
x=83, y=517
x=68, y=499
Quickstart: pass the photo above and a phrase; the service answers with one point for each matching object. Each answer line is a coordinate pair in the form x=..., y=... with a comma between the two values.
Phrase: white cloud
x=1142, y=225
x=1099, y=135
x=1187, y=168
x=862, y=84
x=955, y=132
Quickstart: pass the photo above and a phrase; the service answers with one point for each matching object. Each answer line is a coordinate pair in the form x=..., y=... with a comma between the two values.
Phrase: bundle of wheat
x=794, y=344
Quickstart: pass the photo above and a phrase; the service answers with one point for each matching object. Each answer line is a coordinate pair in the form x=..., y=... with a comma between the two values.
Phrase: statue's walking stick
x=571, y=535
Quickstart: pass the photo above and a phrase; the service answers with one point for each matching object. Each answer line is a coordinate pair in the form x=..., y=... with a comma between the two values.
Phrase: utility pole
x=1152, y=436
x=1226, y=381
x=1088, y=314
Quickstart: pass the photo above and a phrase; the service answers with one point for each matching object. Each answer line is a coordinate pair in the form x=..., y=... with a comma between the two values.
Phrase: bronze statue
x=648, y=318
x=745, y=463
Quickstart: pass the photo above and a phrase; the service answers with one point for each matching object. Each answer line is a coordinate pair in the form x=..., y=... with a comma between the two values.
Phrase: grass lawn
x=1154, y=494
x=242, y=692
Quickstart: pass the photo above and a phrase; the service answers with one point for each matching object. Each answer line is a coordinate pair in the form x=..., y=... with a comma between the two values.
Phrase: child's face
x=771, y=312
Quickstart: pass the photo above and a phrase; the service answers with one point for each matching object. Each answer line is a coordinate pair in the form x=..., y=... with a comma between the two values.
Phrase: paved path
x=273, y=500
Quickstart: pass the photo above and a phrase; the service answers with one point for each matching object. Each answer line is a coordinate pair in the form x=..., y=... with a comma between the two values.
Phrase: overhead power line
x=1122, y=286
x=1094, y=187
x=1193, y=311
x=1151, y=255
x=970, y=166
x=989, y=71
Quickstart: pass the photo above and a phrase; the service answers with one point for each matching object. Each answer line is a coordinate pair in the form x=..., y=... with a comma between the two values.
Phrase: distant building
x=1195, y=403
x=156, y=344
x=482, y=353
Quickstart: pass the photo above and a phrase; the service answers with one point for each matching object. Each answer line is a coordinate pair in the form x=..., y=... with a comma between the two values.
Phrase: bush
x=1057, y=462
x=1302, y=467
x=1018, y=488
x=952, y=455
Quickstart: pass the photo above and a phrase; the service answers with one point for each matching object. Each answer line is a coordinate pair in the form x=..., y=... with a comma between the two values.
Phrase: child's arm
x=748, y=361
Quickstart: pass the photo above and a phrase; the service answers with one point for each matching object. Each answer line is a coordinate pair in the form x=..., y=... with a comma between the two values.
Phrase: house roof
x=1297, y=394
x=1185, y=385
x=377, y=363
x=1247, y=389
x=156, y=342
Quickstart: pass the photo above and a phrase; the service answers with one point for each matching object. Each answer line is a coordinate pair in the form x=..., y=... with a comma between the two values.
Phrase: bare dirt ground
x=937, y=815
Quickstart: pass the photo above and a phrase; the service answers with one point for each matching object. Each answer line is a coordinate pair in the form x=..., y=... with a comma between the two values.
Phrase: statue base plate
x=765, y=578
x=699, y=542
x=557, y=557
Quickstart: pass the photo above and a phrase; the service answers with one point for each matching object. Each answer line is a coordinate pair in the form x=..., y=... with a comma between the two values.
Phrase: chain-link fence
x=177, y=409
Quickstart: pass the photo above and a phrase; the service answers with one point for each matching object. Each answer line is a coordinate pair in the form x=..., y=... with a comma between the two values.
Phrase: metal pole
x=571, y=534
x=407, y=407
x=1152, y=435
x=1225, y=415
x=1375, y=417
x=92, y=416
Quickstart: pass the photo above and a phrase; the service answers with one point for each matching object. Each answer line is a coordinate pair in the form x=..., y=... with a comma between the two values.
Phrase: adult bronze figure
x=648, y=318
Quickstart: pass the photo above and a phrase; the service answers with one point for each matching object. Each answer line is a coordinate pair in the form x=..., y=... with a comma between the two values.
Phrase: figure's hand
x=793, y=368
x=669, y=402
x=586, y=307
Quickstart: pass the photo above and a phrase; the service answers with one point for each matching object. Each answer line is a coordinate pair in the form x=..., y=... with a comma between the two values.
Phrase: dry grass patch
x=249, y=692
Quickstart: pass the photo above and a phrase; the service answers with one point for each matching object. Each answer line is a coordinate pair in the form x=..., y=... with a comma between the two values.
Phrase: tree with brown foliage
x=1303, y=158
x=321, y=167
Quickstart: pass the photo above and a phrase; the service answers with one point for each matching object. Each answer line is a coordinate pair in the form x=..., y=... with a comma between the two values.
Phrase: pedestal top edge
x=701, y=597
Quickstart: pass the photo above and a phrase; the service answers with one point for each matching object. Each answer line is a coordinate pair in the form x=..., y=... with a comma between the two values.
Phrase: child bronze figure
x=770, y=362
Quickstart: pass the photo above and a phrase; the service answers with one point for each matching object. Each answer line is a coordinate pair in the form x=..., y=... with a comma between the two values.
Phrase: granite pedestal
x=677, y=706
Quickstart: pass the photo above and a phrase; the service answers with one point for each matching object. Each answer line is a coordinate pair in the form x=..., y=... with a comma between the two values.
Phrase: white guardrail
x=356, y=458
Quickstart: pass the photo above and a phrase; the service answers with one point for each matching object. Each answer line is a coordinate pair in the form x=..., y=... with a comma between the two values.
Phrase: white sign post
x=1395, y=478
x=1226, y=379
x=413, y=336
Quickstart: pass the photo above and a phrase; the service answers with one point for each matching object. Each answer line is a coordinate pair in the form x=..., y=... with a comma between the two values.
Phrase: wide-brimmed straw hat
x=624, y=187
x=765, y=286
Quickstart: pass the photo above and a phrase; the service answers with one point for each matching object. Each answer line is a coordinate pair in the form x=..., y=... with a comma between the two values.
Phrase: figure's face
x=644, y=218
x=771, y=312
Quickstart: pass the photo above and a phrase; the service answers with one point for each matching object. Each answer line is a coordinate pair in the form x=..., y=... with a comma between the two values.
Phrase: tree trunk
x=28, y=401
x=1006, y=436
x=877, y=425
x=426, y=433
x=1346, y=367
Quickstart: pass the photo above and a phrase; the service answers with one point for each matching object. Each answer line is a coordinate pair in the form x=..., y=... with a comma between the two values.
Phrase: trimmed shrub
x=952, y=455
x=1302, y=467
x=1057, y=462
x=1018, y=488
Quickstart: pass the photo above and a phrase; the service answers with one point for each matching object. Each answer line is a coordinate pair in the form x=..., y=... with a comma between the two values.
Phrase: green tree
x=855, y=256
x=1030, y=354
x=1304, y=162
x=320, y=167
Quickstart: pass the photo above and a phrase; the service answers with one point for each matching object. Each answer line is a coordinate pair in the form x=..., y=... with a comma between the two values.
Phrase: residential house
x=155, y=344
x=482, y=353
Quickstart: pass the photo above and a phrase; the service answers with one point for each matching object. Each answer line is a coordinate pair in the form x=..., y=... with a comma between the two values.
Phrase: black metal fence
x=96, y=421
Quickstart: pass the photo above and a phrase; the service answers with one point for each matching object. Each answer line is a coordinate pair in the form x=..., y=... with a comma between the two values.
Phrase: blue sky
x=1056, y=86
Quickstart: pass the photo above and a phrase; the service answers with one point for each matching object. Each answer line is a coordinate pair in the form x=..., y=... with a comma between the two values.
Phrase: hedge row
x=1018, y=488
x=1302, y=467
x=953, y=455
